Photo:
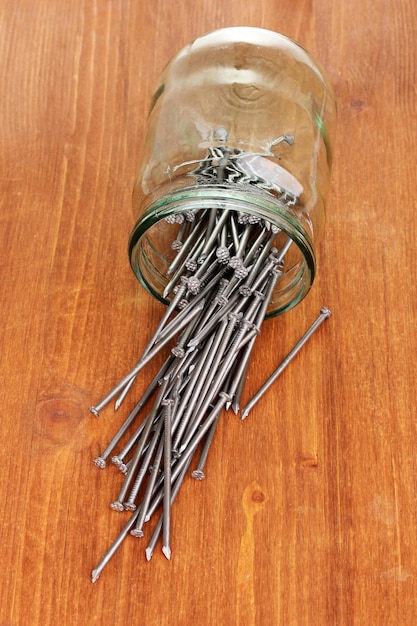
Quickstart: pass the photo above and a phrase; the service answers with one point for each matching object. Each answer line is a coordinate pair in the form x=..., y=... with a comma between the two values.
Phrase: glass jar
x=241, y=119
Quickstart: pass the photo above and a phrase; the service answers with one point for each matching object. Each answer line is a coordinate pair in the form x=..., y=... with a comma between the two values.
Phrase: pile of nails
x=220, y=284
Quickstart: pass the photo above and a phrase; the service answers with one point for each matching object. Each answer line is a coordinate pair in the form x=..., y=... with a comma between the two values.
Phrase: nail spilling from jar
x=220, y=284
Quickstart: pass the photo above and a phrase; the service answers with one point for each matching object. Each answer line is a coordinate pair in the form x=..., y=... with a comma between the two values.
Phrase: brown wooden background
x=308, y=513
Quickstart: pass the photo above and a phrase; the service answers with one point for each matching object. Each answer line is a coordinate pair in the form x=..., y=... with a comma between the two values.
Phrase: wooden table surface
x=308, y=512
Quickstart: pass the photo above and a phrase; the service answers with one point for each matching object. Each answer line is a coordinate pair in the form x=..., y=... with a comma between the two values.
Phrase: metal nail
x=129, y=504
x=188, y=406
x=198, y=473
x=95, y=574
x=324, y=314
x=139, y=448
x=166, y=548
x=144, y=360
x=137, y=531
x=174, y=492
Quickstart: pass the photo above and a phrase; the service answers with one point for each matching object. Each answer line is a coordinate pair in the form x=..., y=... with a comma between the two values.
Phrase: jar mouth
x=151, y=253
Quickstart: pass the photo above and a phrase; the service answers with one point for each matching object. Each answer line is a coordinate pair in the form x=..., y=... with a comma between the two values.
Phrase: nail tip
x=167, y=552
x=148, y=554
x=94, y=576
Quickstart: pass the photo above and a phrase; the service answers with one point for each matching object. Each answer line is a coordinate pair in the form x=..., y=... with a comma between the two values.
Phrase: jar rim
x=247, y=201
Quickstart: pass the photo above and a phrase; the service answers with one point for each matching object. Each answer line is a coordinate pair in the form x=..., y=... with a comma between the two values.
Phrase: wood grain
x=308, y=512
